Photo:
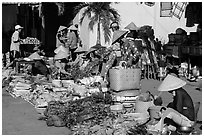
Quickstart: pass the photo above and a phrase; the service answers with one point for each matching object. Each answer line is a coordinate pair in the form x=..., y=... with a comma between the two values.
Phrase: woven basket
x=124, y=79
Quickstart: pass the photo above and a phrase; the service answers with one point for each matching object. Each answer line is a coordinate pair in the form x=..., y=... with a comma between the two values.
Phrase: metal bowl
x=186, y=129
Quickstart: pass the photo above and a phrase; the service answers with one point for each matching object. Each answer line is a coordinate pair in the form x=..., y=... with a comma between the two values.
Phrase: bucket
x=142, y=107
x=154, y=112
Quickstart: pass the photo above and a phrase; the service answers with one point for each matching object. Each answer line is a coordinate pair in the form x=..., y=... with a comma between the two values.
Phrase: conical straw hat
x=89, y=51
x=60, y=48
x=132, y=26
x=61, y=28
x=80, y=49
x=72, y=27
x=98, y=46
x=118, y=34
x=34, y=56
x=171, y=83
x=60, y=55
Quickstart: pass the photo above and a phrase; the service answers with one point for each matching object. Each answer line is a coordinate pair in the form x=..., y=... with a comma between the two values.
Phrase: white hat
x=34, y=56
x=61, y=48
x=72, y=27
x=61, y=28
x=171, y=83
x=184, y=65
x=60, y=55
x=18, y=27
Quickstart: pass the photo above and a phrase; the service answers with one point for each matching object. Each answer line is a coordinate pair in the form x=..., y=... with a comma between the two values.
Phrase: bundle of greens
x=94, y=108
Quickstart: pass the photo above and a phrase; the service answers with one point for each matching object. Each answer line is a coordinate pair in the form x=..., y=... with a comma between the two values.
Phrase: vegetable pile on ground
x=90, y=116
x=94, y=107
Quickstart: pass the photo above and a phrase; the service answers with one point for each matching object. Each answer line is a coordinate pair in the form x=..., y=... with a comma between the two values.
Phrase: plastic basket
x=124, y=79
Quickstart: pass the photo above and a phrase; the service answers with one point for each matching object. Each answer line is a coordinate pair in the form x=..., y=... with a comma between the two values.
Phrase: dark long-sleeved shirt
x=183, y=104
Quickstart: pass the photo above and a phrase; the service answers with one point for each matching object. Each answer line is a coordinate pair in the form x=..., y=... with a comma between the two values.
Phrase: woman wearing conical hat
x=39, y=66
x=61, y=61
x=182, y=102
x=80, y=51
x=117, y=42
x=61, y=36
x=72, y=40
x=134, y=50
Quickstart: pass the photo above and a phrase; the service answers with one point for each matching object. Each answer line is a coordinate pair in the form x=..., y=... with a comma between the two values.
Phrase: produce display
x=81, y=99
x=83, y=106
x=30, y=40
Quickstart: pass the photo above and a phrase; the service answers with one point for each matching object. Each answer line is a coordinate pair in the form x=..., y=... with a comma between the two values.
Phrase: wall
x=9, y=19
x=142, y=15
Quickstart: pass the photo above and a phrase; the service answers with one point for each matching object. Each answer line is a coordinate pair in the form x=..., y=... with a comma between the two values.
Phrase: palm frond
x=115, y=14
x=80, y=6
x=105, y=21
x=96, y=11
x=107, y=32
x=87, y=12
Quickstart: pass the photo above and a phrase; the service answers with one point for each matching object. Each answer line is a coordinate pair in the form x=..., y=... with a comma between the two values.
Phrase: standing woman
x=15, y=42
x=61, y=36
x=72, y=41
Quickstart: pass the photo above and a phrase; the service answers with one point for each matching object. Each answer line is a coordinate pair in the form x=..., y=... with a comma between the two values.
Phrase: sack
x=124, y=79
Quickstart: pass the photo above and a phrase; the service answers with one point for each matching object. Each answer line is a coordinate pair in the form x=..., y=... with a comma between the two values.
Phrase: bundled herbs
x=91, y=116
x=93, y=108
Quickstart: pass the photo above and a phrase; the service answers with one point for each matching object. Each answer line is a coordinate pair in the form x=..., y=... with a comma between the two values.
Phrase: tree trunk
x=98, y=33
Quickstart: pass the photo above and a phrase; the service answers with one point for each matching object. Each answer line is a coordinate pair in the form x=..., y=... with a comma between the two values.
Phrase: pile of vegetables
x=91, y=116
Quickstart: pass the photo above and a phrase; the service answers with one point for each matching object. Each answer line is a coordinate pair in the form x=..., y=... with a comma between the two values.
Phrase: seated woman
x=174, y=115
x=80, y=56
x=61, y=61
x=39, y=67
x=182, y=102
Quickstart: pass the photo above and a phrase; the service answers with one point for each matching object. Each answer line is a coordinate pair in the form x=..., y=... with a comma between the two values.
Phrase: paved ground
x=20, y=118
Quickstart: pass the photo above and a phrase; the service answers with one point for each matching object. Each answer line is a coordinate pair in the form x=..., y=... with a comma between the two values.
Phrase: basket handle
x=123, y=64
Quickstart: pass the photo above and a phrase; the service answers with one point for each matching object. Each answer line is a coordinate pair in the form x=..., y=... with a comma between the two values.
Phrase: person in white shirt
x=15, y=42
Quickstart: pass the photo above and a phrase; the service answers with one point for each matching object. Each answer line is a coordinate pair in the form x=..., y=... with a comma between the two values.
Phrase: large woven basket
x=124, y=79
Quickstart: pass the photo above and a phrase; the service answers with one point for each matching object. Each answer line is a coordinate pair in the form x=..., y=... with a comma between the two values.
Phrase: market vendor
x=173, y=115
x=132, y=50
x=61, y=36
x=117, y=41
x=93, y=63
x=72, y=41
x=15, y=42
x=61, y=61
x=182, y=102
x=133, y=31
x=39, y=66
x=80, y=51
